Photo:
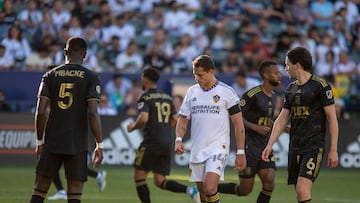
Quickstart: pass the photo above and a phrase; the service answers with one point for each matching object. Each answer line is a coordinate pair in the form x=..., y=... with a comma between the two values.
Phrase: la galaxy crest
x=216, y=98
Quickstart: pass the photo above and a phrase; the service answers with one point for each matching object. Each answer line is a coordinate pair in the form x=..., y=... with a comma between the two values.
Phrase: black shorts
x=305, y=164
x=75, y=165
x=156, y=160
x=254, y=164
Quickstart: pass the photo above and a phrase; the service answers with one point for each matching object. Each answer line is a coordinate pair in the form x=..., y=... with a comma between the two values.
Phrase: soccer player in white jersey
x=208, y=105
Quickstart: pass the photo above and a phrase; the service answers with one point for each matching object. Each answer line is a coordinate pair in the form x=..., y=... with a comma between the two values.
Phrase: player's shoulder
x=226, y=88
x=253, y=91
x=319, y=80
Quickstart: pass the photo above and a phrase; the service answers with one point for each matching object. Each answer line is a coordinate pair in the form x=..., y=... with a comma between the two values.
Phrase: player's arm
x=237, y=120
x=41, y=115
x=173, y=121
x=260, y=129
x=279, y=126
x=140, y=122
x=180, y=130
x=95, y=126
x=333, y=158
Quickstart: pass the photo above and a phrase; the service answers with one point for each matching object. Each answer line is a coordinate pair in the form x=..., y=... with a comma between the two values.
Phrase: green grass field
x=335, y=186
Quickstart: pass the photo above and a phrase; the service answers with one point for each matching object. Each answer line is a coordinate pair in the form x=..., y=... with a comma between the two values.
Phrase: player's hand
x=179, y=147
x=333, y=159
x=263, y=130
x=240, y=162
x=97, y=157
x=266, y=153
x=38, y=150
x=130, y=127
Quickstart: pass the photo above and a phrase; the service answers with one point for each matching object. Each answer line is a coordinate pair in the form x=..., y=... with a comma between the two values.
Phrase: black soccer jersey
x=68, y=87
x=308, y=119
x=257, y=108
x=157, y=132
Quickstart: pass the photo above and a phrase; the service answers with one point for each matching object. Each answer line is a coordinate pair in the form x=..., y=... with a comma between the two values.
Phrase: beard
x=275, y=83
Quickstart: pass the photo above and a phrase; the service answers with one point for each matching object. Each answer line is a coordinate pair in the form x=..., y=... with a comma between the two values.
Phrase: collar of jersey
x=212, y=87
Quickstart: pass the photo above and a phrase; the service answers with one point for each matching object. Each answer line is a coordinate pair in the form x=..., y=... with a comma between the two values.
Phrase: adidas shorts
x=215, y=164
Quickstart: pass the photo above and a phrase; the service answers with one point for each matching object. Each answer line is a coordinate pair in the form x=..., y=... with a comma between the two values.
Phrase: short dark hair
x=76, y=44
x=152, y=74
x=240, y=73
x=204, y=61
x=264, y=65
x=300, y=55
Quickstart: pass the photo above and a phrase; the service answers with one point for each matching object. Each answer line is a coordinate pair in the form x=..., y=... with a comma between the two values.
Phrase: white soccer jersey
x=208, y=112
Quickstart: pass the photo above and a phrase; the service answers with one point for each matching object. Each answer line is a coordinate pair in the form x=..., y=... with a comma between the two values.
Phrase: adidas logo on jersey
x=351, y=158
x=120, y=146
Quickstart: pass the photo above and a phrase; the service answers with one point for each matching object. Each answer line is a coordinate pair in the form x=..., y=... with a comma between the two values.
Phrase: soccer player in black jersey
x=257, y=105
x=309, y=103
x=157, y=117
x=72, y=92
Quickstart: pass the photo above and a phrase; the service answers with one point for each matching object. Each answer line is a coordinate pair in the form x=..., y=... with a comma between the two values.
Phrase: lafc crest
x=216, y=98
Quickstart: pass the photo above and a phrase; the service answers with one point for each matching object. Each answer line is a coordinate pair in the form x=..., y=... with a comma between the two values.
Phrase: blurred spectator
x=352, y=11
x=254, y=52
x=116, y=89
x=301, y=13
x=345, y=66
x=233, y=13
x=325, y=46
x=45, y=28
x=222, y=39
x=6, y=61
x=133, y=94
x=325, y=68
x=254, y=9
x=154, y=20
x=315, y=34
x=341, y=35
x=8, y=18
x=355, y=52
x=30, y=18
x=130, y=61
x=233, y=63
x=242, y=83
x=304, y=41
x=243, y=34
x=75, y=28
x=197, y=30
x=211, y=11
x=188, y=49
x=63, y=35
x=165, y=46
x=111, y=52
x=16, y=45
x=60, y=16
x=121, y=28
x=155, y=59
x=178, y=63
x=91, y=61
x=277, y=12
x=323, y=11
x=4, y=106
x=38, y=60
x=105, y=108
x=177, y=100
x=175, y=19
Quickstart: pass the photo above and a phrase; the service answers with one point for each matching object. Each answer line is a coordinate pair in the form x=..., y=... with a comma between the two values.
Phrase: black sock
x=264, y=196
x=57, y=182
x=74, y=197
x=305, y=201
x=36, y=199
x=74, y=201
x=173, y=186
x=228, y=188
x=38, y=196
x=92, y=173
x=143, y=191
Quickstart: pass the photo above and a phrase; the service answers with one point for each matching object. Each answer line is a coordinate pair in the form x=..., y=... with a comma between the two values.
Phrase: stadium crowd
x=128, y=35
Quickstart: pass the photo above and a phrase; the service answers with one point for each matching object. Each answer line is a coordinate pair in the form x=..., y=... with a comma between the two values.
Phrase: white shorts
x=215, y=164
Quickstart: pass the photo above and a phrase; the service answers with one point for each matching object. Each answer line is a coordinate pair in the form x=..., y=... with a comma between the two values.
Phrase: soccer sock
x=143, y=191
x=92, y=173
x=38, y=196
x=228, y=188
x=57, y=182
x=214, y=198
x=305, y=201
x=264, y=196
x=74, y=197
x=173, y=186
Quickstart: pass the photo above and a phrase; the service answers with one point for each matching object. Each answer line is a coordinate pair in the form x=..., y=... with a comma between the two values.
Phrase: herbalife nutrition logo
x=120, y=146
x=351, y=158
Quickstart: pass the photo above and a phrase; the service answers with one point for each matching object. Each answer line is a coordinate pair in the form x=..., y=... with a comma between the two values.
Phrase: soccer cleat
x=101, y=180
x=61, y=194
x=195, y=196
